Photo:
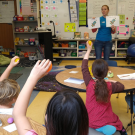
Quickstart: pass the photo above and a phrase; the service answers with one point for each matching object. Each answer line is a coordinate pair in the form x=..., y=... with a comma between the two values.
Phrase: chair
x=131, y=50
x=111, y=63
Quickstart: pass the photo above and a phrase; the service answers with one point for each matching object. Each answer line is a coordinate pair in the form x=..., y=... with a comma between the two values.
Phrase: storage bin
x=31, y=43
x=19, y=18
x=26, y=41
x=55, y=44
x=64, y=44
x=32, y=39
x=6, y=53
x=74, y=54
x=21, y=29
x=81, y=46
x=72, y=44
x=63, y=54
x=32, y=57
x=25, y=17
x=31, y=17
x=15, y=18
x=55, y=54
x=17, y=29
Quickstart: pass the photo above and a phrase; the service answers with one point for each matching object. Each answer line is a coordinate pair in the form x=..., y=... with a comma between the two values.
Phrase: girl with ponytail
x=98, y=94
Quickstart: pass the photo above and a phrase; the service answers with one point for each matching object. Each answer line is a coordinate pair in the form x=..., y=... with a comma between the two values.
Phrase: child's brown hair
x=9, y=90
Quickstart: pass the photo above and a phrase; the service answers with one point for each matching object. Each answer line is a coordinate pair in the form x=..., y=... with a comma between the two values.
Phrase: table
x=36, y=126
x=129, y=84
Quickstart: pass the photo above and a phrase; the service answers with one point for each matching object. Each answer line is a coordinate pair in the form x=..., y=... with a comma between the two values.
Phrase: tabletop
x=60, y=77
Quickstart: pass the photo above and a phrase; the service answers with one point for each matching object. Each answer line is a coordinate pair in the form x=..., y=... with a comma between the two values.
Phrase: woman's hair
x=66, y=114
x=105, y=6
x=99, y=70
x=9, y=89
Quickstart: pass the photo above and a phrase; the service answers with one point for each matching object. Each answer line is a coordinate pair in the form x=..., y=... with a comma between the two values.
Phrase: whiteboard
x=93, y=10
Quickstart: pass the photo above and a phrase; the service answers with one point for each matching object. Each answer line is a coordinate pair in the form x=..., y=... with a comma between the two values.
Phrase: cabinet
x=24, y=35
x=114, y=54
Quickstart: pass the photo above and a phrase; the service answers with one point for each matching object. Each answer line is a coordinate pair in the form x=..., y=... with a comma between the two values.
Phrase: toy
x=110, y=74
x=89, y=42
x=16, y=60
x=90, y=70
x=49, y=69
x=10, y=120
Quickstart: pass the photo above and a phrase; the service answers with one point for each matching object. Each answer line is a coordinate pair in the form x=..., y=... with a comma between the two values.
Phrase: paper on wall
x=112, y=20
x=94, y=23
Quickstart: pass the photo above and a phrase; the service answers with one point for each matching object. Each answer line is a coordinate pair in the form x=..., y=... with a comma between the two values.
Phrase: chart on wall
x=62, y=13
x=28, y=7
x=6, y=11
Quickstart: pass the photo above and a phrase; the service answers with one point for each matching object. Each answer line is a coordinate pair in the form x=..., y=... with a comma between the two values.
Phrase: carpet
x=13, y=76
x=14, y=70
x=49, y=84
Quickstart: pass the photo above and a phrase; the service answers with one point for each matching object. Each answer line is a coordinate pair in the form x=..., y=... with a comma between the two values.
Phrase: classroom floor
x=39, y=100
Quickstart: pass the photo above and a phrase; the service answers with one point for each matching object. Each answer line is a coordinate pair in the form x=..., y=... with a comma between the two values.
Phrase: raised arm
x=12, y=64
x=19, y=112
x=85, y=71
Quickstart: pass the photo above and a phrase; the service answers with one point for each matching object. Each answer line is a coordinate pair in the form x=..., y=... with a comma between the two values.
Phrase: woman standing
x=103, y=37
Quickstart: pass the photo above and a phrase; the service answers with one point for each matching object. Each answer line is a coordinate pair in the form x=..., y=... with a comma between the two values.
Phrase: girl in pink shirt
x=98, y=94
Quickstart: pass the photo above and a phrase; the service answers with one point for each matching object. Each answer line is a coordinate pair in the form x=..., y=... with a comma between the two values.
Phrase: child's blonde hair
x=9, y=90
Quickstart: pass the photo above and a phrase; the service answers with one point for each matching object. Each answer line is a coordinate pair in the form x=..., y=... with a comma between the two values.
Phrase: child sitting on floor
x=98, y=94
x=66, y=113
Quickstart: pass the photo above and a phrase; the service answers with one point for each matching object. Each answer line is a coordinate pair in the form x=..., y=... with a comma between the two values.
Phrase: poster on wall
x=28, y=7
x=70, y=27
x=6, y=11
x=123, y=29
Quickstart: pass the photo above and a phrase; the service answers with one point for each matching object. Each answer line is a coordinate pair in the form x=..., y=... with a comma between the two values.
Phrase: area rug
x=49, y=83
x=14, y=70
x=13, y=76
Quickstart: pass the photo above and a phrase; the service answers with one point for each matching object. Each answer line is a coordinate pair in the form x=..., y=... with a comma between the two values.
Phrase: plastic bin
x=55, y=54
x=74, y=54
x=31, y=43
x=17, y=29
x=25, y=17
x=64, y=44
x=72, y=44
x=31, y=17
x=19, y=18
x=21, y=29
x=81, y=46
x=26, y=41
x=55, y=44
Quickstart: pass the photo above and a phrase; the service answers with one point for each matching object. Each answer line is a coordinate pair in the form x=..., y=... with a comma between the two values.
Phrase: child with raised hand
x=9, y=91
x=98, y=94
x=65, y=115
x=12, y=64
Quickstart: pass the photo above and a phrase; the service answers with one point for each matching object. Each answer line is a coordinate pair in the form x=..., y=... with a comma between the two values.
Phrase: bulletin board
x=126, y=9
x=6, y=11
x=58, y=12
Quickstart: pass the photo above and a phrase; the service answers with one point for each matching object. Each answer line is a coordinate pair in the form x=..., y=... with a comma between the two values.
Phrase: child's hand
x=89, y=47
x=40, y=69
x=13, y=63
x=111, y=81
x=113, y=28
